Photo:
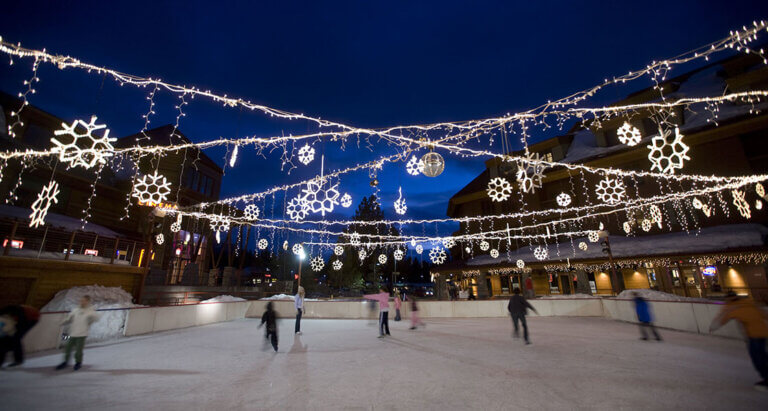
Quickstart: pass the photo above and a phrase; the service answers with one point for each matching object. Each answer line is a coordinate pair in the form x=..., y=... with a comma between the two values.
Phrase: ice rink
x=340, y=364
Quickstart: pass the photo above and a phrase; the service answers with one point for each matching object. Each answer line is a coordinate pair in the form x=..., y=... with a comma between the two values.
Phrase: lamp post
x=302, y=255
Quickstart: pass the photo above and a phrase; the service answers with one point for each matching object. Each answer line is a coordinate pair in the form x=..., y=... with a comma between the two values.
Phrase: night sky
x=364, y=63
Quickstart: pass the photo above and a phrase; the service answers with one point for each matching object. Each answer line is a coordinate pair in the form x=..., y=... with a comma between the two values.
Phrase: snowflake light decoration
x=419, y=249
x=520, y=264
x=338, y=250
x=529, y=174
x=494, y=253
x=741, y=203
x=610, y=191
x=629, y=134
x=354, y=239
x=448, y=243
x=697, y=204
x=627, y=227
x=593, y=236
x=152, y=188
x=667, y=156
x=563, y=199
x=400, y=207
x=583, y=246
x=362, y=254
x=760, y=190
x=646, y=225
x=499, y=189
x=382, y=258
x=317, y=263
x=484, y=245
x=219, y=223
x=540, y=253
x=175, y=227
x=656, y=215
x=337, y=265
x=84, y=150
x=251, y=212
x=321, y=200
x=159, y=239
x=297, y=248
x=306, y=154
x=297, y=209
x=263, y=244
x=398, y=255
x=414, y=166
x=45, y=198
x=437, y=255
x=346, y=200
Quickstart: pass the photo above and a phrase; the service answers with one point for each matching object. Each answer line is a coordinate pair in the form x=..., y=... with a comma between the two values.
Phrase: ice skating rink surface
x=573, y=363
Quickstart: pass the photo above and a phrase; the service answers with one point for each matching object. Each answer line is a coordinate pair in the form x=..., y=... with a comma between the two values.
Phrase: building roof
x=57, y=220
x=164, y=135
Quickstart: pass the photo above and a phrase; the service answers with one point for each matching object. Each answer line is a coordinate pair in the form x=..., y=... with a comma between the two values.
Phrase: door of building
x=565, y=281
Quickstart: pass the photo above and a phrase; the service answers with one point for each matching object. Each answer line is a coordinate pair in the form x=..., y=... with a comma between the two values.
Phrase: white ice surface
x=222, y=299
x=574, y=363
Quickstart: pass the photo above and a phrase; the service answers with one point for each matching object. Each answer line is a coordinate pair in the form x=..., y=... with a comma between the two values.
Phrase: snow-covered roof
x=57, y=220
x=711, y=239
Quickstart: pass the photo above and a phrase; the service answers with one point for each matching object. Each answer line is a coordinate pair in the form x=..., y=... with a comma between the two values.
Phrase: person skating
x=644, y=317
x=383, y=298
x=398, y=303
x=79, y=321
x=518, y=307
x=415, y=319
x=23, y=318
x=270, y=319
x=299, y=303
x=753, y=321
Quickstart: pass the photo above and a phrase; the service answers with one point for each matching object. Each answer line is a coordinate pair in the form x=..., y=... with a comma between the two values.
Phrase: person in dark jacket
x=270, y=319
x=25, y=317
x=518, y=307
x=644, y=317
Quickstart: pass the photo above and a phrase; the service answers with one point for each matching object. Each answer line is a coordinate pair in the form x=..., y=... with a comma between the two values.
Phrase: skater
x=270, y=319
x=299, y=303
x=79, y=321
x=24, y=318
x=529, y=287
x=518, y=307
x=415, y=319
x=398, y=303
x=383, y=298
x=644, y=317
x=753, y=320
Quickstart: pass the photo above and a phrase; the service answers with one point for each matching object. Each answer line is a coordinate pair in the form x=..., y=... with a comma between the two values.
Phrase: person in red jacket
x=25, y=317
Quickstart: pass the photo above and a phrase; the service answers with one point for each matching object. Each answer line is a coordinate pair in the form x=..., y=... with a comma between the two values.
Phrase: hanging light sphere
x=374, y=182
x=433, y=164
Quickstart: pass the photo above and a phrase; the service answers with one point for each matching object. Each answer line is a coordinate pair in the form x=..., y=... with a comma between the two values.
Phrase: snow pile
x=279, y=297
x=566, y=296
x=657, y=296
x=223, y=299
x=112, y=322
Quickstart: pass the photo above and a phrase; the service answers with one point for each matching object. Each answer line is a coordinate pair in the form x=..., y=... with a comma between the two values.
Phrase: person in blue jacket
x=644, y=317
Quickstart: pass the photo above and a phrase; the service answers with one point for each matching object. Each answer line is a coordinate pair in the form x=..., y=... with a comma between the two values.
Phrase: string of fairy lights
x=79, y=145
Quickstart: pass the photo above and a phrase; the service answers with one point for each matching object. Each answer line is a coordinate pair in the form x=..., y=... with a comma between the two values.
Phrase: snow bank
x=223, y=299
x=658, y=296
x=566, y=296
x=111, y=323
x=279, y=297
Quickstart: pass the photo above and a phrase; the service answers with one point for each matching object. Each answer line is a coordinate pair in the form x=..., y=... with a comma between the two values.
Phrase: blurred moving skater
x=398, y=303
x=518, y=307
x=752, y=319
x=415, y=319
x=24, y=317
x=270, y=319
x=644, y=317
x=299, y=303
x=383, y=298
x=79, y=321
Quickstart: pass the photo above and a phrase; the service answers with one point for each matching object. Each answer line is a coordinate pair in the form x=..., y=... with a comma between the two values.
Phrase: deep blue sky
x=366, y=63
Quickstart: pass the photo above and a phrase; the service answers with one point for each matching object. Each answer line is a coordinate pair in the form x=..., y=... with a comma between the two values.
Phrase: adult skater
x=24, y=317
x=644, y=317
x=299, y=303
x=753, y=320
x=383, y=298
x=415, y=319
x=398, y=304
x=518, y=307
x=79, y=321
x=270, y=319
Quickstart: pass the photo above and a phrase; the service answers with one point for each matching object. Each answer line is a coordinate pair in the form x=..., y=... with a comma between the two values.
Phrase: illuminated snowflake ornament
x=530, y=174
x=306, y=154
x=83, y=150
x=667, y=156
x=656, y=215
x=382, y=258
x=338, y=250
x=484, y=245
x=159, y=239
x=610, y=191
x=337, y=265
x=251, y=212
x=628, y=134
x=419, y=249
x=321, y=200
x=646, y=225
x=297, y=248
x=219, y=223
x=400, y=207
x=175, y=227
x=263, y=243
x=448, y=243
x=760, y=190
x=297, y=209
x=494, y=253
x=317, y=263
x=583, y=246
x=563, y=200
x=499, y=189
x=362, y=254
x=540, y=253
x=152, y=188
x=741, y=203
x=398, y=255
x=346, y=200
x=354, y=239
x=697, y=204
x=593, y=236
x=437, y=255
x=627, y=227
x=520, y=264
x=40, y=207
x=414, y=166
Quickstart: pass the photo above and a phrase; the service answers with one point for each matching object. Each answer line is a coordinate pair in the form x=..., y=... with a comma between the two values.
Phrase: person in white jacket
x=79, y=321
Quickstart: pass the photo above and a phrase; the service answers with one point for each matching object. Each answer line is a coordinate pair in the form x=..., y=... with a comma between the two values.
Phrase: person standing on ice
x=753, y=320
x=518, y=308
x=383, y=298
x=299, y=303
x=398, y=303
x=270, y=318
x=79, y=321
x=24, y=317
x=415, y=319
x=644, y=317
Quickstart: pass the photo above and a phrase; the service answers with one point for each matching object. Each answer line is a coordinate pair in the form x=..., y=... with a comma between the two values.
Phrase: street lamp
x=302, y=256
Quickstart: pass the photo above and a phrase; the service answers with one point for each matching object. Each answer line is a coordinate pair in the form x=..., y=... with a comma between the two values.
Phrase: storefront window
x=554, y=286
